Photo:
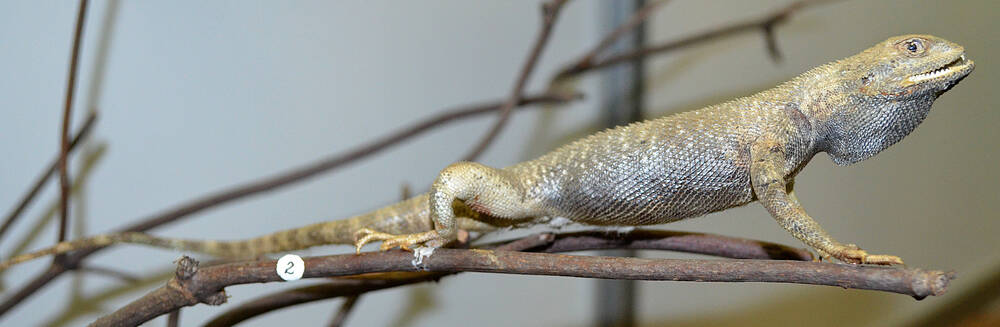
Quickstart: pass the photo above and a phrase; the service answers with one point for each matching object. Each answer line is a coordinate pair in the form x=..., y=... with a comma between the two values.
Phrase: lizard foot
x=389, y=241
x=851, y=253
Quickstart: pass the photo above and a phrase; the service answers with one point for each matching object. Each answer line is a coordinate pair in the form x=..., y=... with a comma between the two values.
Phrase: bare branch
x=765, y=24
x=333, y=289
x=550, y=11
x=194, y=285
x=67, y=118
x=104, y=271
x=350, y=286
x=345, y=309
x=637, y=19
x=15, y=213
x=708, y=244
x=174, y=318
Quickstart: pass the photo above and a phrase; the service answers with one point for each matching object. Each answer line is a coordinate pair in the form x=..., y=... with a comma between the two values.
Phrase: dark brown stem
x=550, y=11
x=28, y=197
x=689, y=242
x=344, y=310
x=206, y=285
x=709, y=244
x=637, y=19
x=67, y=115
x=349, y=287
x=122, y=276
x=765, y=24
x=174, y=318
x=272, y=182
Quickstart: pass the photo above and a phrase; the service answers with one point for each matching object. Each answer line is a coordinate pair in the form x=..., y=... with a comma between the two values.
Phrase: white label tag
x=290, y=267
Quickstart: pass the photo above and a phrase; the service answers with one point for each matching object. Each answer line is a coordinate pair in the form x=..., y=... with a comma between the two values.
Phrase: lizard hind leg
x=487, y=190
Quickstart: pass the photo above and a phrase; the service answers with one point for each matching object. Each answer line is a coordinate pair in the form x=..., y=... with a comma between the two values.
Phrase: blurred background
x=193, y=97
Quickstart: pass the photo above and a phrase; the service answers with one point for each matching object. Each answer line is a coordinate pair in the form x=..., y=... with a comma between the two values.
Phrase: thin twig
x=345, y=309
x=85, y=169
x=174, y=318
x=104, y=271
x=332, y=289
x=765, y=24
x=194, y=285
x=275, y=181
x=550, y=11
x=28, y=197
x=67, y=118
x=637, y=19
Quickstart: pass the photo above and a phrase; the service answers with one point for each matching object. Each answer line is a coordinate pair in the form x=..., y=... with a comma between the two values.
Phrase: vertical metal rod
x=623, y=90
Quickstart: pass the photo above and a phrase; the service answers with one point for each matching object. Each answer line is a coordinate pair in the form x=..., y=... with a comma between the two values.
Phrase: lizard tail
x=409, y=216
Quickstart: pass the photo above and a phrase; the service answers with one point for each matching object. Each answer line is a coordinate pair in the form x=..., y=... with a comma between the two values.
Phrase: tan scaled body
x=661, y=170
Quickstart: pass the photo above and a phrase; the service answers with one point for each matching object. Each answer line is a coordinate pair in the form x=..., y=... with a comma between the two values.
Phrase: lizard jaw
x=956, y=68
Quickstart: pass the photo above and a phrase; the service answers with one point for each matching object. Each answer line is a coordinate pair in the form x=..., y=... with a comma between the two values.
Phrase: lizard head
x=879, y=96
x=912, y=65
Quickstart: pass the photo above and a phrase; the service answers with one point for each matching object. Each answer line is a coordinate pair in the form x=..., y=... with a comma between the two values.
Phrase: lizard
x=657, y=171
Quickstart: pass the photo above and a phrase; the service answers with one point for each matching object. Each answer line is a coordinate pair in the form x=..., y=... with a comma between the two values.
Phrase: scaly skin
x=661, y=170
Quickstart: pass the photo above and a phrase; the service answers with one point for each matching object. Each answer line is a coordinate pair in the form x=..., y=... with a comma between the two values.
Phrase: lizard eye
x=912, y=47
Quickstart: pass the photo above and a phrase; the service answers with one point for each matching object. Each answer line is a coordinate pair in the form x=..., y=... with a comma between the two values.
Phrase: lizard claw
x=365, y=235
x=851, y=253
x=389, y=241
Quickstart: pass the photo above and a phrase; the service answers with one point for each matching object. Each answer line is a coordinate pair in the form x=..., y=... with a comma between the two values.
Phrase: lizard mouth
x=956, y=68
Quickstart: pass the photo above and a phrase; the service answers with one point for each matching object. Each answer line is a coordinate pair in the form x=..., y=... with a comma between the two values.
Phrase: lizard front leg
x=488, y=190
x=767, y=177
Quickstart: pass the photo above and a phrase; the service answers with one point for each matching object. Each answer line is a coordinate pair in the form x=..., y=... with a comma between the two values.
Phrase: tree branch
x=708, y=244
x=109, y=272
x=29, y=196
x=550, y=12
x=66, y=121
x=343, y=311
x=350, y=286
x=206, y=285
x=174, y=318
x=765, y=24
x=637, y=18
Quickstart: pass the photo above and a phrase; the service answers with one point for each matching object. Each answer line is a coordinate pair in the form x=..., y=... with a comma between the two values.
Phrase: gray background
x=198, y=96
